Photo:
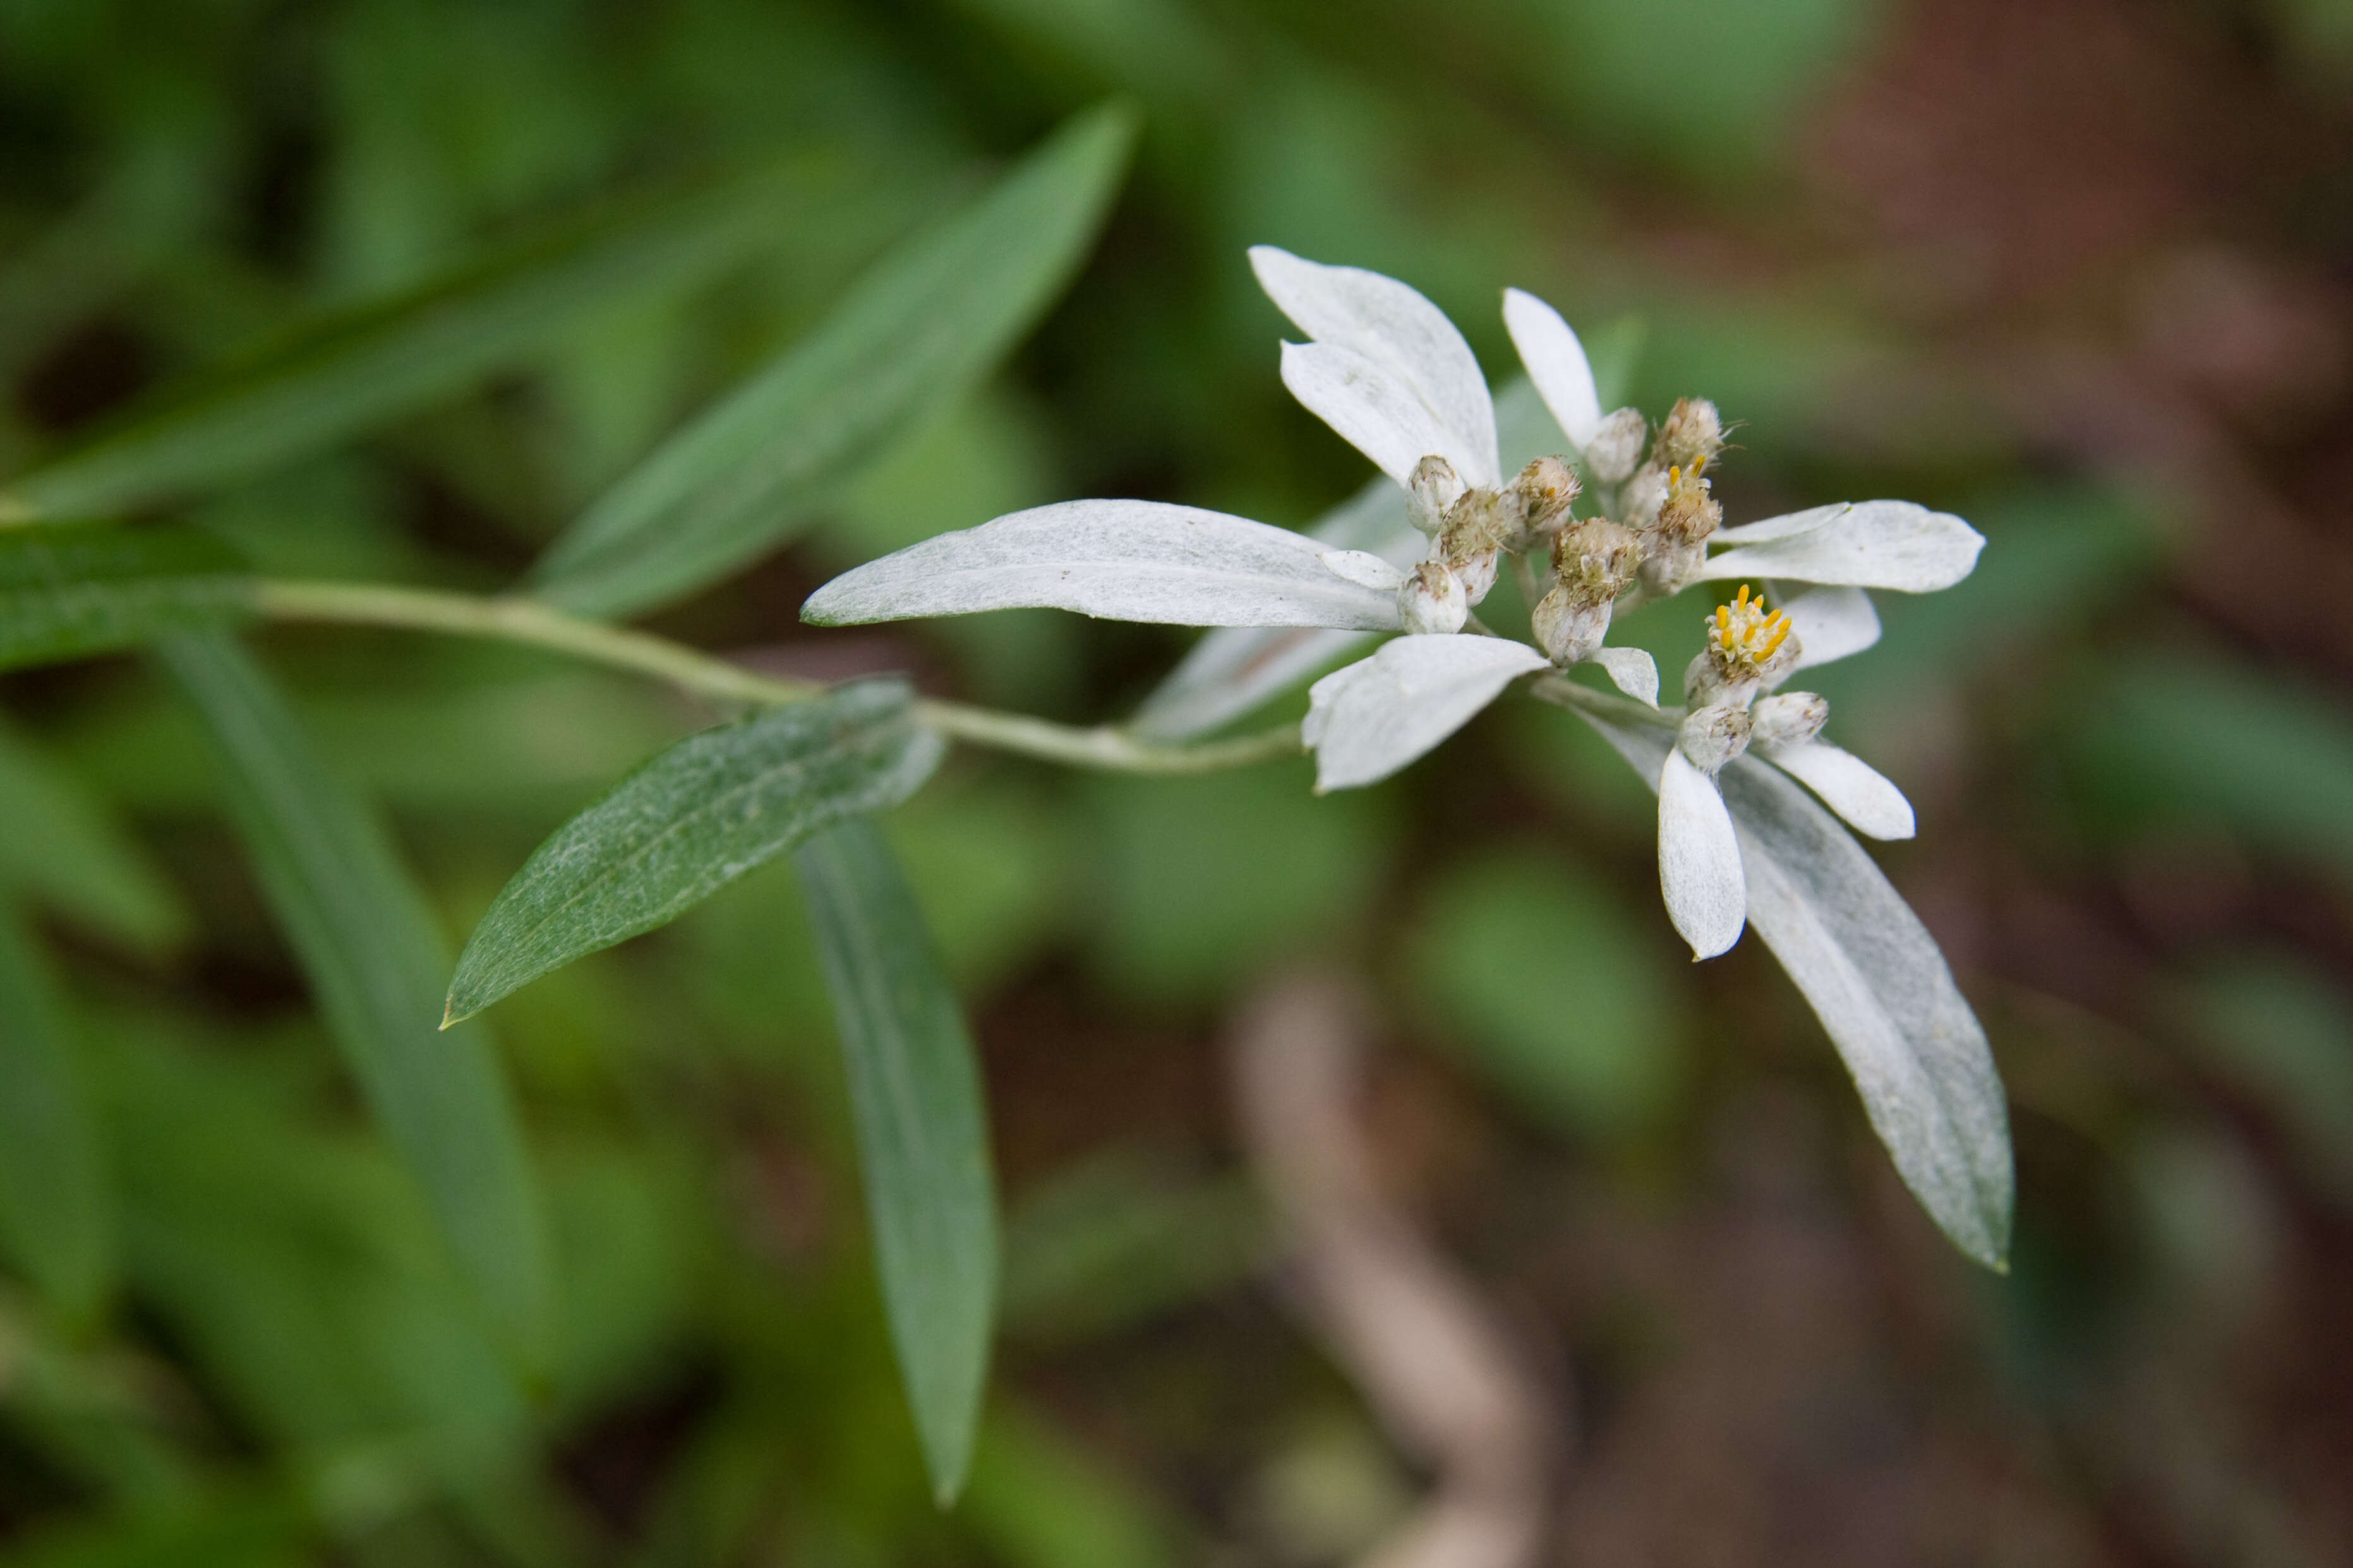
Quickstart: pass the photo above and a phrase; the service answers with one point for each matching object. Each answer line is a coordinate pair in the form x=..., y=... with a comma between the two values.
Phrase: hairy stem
x=529, y=622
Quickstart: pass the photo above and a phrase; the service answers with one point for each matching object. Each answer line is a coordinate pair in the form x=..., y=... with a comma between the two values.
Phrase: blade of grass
x=367, y=941
x=330, y=377
x=917, y=332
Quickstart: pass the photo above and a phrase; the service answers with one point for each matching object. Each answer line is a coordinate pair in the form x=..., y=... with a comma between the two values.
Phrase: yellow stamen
x=1744, y=634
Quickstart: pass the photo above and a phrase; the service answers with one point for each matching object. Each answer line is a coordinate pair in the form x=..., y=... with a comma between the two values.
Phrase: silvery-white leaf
x=1873, y=544
x=1556, y=362
x=1874, y=978
x=1234, y=668
x=1391, y=325
x=1377, y=410
x=1632, y=670
x=1124, y=560
x=1363, y=567
x=1366, y=721
x=1699, y=860
x=1830, y=623
x=1850, y=787
x=1783, y=527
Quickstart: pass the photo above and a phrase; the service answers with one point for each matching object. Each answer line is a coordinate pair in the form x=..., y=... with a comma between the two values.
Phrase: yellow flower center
x=1743, y=633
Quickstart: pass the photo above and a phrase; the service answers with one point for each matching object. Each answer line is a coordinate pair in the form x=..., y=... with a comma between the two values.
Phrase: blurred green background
x=2080, y=270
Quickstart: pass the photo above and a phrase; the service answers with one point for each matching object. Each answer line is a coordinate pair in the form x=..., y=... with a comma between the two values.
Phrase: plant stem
x=1563, y=692
x=527, y=621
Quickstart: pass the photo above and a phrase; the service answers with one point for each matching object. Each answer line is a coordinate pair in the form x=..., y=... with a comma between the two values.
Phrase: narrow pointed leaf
x=55, y=1212
x=1893, y=544
x=1881, y=990
x=923, y=1133
x=329, y=378
x=1123, y=560
x=1400, y=343
x=367, y=942
x=924, y=325
x=66, y=591
x=1366, y=721
x=688, y=821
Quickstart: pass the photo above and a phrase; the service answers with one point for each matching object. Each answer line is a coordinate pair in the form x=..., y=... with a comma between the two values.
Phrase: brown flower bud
x=1692, y=436
x=1674, y=547
x=1545, y=489
x=1592, y=562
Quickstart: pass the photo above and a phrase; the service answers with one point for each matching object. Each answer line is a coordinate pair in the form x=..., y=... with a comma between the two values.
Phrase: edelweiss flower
x=1668, y=522
x=1384, y=368
x=1387, y=371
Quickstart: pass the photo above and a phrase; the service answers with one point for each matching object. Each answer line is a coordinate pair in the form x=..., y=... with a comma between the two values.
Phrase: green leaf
x=328, y=378
x=923, y=1133
x=66, y=591
x=63, y=850
x=55, y=1209
x=366, y=939
x=688, y=823
x=918, y=331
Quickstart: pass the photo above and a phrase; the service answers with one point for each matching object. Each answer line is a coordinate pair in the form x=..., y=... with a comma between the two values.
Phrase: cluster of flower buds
x=1469, y=527
x=1661, y=546
x=1750, y=650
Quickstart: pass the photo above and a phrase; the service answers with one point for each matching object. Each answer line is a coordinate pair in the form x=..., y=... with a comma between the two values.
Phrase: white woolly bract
x=1699, y=860
x=1366, y=721
x=1122, y=560
x=1556, y=361
x=1416, y=350
x=1632, y=670
x=1896, y=544
x=1830, y=623
x=1850, y=787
